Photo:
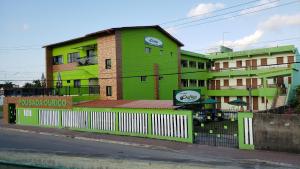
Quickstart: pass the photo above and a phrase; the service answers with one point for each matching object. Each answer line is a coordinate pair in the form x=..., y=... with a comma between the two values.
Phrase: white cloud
x=274, y=23
x=262, y=4
x=280, y=21
x=245, y=41
x=204, y=9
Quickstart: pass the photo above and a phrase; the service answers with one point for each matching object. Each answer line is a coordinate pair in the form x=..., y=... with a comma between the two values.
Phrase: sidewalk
x=192, y=149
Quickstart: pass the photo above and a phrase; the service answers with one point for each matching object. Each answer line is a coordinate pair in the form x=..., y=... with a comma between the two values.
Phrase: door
x=263, y=61
x=219, y=102
x=254, y=63
x=12, y=113
x=225, y=65
x=248, y=102
x=279, y=81
x=94, y=86
x=248, y=82
x=290, y=60
x=217, y=66
x=254, y=82
x=226, y=82
x=212, y=85
x=248, y=63
x=255, y=103
x=218, y=85
x=279, y=60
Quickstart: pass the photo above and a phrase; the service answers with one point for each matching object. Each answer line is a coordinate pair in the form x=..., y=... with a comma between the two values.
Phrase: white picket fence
x=169, y=125
x=133, y=122
x=103, y=121
x=75, y=119
x=49, y=117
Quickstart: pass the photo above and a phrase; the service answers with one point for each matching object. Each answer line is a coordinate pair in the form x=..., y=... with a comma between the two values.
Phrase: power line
x=186, y=18
x=152, y=75
x=261, y=42
x=225, y=18
x=223, y=14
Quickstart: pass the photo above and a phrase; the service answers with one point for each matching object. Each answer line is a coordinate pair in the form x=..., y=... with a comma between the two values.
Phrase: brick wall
x=107, y=50
x=15, y=100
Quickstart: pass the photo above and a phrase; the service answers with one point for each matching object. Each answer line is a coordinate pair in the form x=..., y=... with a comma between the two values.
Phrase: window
x=201, y=65
x=72, y=57
x=57, y=60
x=184, y=83
x=184, y=63
x=225, y=65
x=193, y=64
x=217, y=66
x=239, y=82
x=143, y=78
x=201, y=83
x=147, y=50
x=171, y=53
x=91, y=53
x=108, y=91
x=226, y=99
x=193, y=83
x=262, y=99
x=161, y=52
x=107, y=63
x=27, y=113
x=279, y=60
x=239, y=63
x=263, y=61
x=226, y=82
x=76, y=83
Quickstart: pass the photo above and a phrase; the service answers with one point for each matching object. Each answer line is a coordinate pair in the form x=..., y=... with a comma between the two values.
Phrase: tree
x=34, y=84
x=7, y=85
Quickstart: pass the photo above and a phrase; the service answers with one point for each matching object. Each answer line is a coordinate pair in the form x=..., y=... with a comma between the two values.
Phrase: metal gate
x=219, y=129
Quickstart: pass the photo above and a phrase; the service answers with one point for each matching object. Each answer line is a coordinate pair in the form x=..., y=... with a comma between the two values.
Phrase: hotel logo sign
x=153, y=41
x=185, y=97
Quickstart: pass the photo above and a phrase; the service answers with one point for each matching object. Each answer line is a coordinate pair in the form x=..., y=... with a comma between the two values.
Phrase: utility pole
x=250, y=98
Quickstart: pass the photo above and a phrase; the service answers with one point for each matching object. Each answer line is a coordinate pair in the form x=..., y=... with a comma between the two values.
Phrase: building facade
x=146, y=63
x=125, y=62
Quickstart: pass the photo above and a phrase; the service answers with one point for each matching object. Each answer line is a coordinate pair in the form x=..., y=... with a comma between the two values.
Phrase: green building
x=146, y=63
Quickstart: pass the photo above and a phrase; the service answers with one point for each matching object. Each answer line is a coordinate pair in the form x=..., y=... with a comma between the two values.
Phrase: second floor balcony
x=87, y=60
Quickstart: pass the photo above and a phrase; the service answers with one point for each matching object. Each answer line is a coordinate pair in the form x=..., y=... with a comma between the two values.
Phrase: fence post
x=245, y=130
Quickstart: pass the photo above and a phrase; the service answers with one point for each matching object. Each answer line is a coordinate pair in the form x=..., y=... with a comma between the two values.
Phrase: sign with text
x=186, y=97
x=153, y=41
x=45, y=102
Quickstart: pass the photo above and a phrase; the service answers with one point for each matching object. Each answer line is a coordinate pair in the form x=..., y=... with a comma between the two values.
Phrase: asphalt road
x=29, y=142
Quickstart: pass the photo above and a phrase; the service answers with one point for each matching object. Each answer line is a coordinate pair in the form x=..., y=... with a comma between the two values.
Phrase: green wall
x=136, y=62
x=81, y=72
x=34, y=121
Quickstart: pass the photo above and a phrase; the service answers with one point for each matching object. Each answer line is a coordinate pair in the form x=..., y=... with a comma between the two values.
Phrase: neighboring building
x=146, y=63
x=119, y=60
x=270, y=72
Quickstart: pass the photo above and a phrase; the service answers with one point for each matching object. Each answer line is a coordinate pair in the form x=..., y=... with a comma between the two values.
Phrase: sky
x=201, y=25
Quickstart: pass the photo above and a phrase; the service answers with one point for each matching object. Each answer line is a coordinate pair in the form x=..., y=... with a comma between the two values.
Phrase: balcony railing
x=88, y=60
x=285, y=65
x=236, y=87
x=62, y=91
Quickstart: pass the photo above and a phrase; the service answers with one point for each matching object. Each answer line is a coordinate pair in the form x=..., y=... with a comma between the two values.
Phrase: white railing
x=169, y=125
x=75, y=119
x=133, y=122
x=49, y=117
x=103, y=121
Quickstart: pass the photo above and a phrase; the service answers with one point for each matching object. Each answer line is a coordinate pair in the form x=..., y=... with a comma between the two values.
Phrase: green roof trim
x=246, y=53
x=193, y=54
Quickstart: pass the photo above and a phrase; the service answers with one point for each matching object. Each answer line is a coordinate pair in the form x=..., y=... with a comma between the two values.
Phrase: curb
x=90, y=139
